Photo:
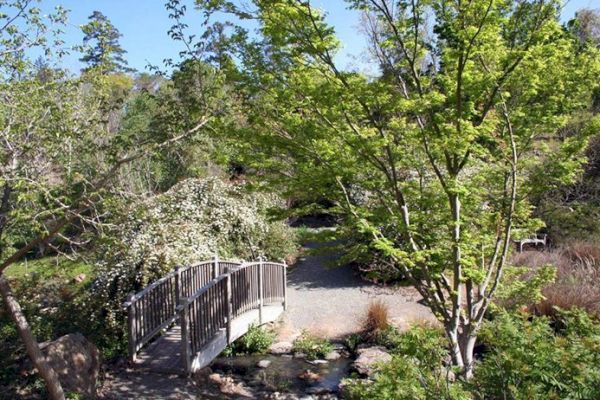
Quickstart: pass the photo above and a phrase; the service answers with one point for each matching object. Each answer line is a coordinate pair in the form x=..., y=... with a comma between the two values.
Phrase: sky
x=144, y=25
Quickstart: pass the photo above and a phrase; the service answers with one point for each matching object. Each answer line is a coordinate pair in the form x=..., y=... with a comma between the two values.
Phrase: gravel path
x=330, y=302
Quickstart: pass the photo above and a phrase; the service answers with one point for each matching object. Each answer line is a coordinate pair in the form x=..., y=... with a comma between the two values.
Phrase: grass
x=312, y=346
x=577, y=276
x=49, y=267
x=376, y=319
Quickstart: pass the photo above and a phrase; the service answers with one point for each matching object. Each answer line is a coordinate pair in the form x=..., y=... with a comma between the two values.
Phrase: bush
x=527, y=359
x=312, y=346
x=415, y=372
x=376, y=319
x=191, y=222
x=256, y=341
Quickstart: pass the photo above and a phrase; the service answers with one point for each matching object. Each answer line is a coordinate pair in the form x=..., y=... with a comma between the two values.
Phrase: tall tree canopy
x=431, y=160
x=101, y=47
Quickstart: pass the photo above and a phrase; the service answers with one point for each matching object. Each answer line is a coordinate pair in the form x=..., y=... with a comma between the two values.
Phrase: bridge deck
x=164, y=354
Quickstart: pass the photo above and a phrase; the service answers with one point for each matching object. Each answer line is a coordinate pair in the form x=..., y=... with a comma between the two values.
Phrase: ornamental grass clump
x=376, y=320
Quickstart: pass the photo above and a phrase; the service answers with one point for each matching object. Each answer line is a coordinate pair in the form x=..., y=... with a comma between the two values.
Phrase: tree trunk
x=467, y=348
x=462, y=346
x=48, y=374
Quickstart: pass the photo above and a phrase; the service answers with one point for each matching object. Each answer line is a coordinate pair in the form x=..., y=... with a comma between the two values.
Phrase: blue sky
x=144, y=25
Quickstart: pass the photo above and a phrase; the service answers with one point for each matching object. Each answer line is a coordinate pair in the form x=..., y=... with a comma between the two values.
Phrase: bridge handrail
x=154, y=308
x=235, y=288
x=244, y=290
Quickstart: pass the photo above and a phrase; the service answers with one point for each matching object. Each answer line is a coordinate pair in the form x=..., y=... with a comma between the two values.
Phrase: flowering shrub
x=193, y=221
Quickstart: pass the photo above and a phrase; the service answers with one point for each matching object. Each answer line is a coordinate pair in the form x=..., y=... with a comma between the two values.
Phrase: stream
x=285, y=374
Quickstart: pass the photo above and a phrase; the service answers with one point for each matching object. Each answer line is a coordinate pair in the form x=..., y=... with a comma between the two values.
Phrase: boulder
x=263, y=363
x=332, y=355
x=76, y=360
x=368, y=358
x=280, y=348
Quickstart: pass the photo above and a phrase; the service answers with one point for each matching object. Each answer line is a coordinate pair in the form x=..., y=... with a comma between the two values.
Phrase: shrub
x=527, y=359
x=352, y=341
x=415, y=372
x=191, y=222
x=313, y=347
x=256, y=341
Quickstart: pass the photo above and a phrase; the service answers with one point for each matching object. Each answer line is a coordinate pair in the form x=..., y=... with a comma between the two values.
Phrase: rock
x=280, y=348
x=318, y=390
x=309, y=376
x=76, y=360
x=368, y=358
x=319, y=362
x=299, y=355
x=228, y=386
x=263, y=363
x=202, y=377
x=332, y=355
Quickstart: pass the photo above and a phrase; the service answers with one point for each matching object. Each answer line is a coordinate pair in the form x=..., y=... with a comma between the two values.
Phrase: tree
x=432, y=160
x=106, y=53
x=58, y=163
x=586, y=25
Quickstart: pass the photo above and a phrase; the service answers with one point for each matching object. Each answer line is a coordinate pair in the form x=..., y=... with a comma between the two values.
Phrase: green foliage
x=312, y=346
x=256, y=341
x=525, y=358
x=522, y=286
x=352, y=341
x=415, y=372
x=528, y=360
x=106, y=55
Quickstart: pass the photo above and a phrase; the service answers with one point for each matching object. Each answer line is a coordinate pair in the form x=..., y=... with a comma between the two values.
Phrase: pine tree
x=106, y=54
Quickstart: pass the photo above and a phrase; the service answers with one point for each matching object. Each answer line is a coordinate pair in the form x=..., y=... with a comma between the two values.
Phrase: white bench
x=534, y=240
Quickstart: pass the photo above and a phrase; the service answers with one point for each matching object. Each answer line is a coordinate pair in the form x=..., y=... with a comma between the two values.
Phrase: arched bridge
x=181, y=322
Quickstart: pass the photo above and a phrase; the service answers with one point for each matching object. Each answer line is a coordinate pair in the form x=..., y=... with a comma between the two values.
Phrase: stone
x=263, y=363
x=318, y=390
x=228, y=386
x=309, y=376
x=76, y=360
x=319, y=362
x=299, y=355
x=332, y=355
x=368, y=358
x=280, y=348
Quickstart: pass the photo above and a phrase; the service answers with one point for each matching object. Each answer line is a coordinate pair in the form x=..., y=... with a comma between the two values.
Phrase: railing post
x=260, y=290
x=185, y=336
x=285, y=302
x=177, y=285
x=216, y=266
x=131, y=317
x=229, y=304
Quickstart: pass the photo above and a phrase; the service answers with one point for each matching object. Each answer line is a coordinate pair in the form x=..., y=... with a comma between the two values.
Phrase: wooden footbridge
x=181, y=322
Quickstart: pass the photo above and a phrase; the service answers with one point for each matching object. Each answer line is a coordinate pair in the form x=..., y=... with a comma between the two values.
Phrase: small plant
x=256, y=341
x=376, y=319
x=352, y=341
x=312, y=346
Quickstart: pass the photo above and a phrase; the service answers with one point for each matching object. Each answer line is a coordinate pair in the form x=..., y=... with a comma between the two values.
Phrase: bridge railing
x=243, y=288
x=155, y=307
